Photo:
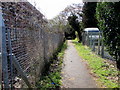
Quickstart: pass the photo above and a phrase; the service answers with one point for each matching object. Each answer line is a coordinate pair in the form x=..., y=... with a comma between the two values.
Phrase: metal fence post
x=93, y=47
x=91, y=41
x=102, y=48
x=87, y=39
x=99, y=44
x=0, y=53
x=20, y=71
x=0, y=70
x=4, y=53
x=93, y=44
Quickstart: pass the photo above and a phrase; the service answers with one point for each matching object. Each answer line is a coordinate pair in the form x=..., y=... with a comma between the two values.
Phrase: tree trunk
x=118, y=67
x=118, y=64
x=79, y=36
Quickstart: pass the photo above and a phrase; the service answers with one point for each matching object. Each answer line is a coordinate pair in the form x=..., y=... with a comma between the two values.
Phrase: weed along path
x=75, y=73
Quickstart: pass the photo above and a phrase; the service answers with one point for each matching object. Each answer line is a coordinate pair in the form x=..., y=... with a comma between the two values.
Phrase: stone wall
x=32, y=42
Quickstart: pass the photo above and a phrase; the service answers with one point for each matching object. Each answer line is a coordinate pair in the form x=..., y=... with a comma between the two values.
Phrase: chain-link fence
x=28, y=44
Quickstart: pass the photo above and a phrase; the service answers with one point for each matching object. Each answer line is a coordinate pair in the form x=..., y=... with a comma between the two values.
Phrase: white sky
x=51, y=8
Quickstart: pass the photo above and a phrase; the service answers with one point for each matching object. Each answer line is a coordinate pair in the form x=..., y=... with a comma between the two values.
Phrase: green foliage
x=108, y=16
x=69, y=32
x=74, y=23
x=107, y=74
x=88, y=17
x=52, y=77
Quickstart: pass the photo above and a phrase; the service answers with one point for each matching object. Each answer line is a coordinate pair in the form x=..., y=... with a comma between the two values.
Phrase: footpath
x=75, y=73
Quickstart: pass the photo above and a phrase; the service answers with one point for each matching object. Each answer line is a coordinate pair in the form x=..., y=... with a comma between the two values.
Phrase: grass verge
x=105, y=73
x=52, y=76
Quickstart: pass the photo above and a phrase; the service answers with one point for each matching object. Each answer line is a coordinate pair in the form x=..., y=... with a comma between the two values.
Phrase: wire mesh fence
x=28, y=44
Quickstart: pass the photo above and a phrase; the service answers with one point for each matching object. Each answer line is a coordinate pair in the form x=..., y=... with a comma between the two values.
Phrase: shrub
x=108, y=16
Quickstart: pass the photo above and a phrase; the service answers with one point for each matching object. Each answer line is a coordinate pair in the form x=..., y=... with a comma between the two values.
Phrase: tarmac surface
x=75, y=73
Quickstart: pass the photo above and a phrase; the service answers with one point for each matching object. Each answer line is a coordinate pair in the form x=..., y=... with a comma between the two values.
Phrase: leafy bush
x=88, y=17
x=69, y=32
x=108, y=16
x=75, y=24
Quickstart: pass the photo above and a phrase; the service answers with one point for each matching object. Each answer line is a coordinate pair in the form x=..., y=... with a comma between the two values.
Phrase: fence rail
x=95, y=41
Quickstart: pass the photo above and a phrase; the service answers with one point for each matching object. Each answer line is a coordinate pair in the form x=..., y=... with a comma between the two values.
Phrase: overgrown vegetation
x=51, y=78
x=75, y=24
x=69, y=32
x=105, y=73
x=88, y=16
x=108, y=16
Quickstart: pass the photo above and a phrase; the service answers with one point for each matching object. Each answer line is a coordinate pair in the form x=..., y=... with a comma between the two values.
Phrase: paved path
x=74, y=72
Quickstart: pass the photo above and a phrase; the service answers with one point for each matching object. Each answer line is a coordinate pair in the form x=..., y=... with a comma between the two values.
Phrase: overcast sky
x=51, y=8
